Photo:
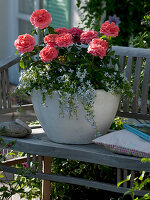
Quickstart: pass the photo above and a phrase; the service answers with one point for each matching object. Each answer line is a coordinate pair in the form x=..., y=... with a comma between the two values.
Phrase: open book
x=142, y=130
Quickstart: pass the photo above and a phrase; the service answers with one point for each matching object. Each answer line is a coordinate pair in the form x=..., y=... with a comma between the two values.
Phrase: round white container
x=74, y=131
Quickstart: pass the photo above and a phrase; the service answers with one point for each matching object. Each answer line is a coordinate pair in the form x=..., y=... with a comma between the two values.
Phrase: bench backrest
x=6, y=101
x=135, y=62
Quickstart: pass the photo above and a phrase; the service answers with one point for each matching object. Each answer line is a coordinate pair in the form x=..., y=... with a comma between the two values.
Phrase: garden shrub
x=142, y=39
x=83, y=170
x=130, y=13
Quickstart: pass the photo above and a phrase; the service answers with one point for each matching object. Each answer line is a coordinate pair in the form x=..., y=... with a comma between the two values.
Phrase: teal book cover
x=142, y=130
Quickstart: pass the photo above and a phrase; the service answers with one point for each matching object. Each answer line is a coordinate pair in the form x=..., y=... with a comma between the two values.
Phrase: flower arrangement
x=74, y=63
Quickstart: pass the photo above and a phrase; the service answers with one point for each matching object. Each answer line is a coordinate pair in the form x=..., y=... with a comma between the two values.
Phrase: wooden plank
x=15, y=108
x=122, y=60
x=0, y=92
x=28, y=159
x=8, y=88
x=8, y=62
x=72, y=180
x=119, y=107
x=119, y=177
x=132, y=178
x=110, y=63
x=125, y=174
x=128, y=71
x=133, y=115
x=15, y=161
x=145, y=87
x=136, y=84
x=45, y=183
x=33, y=160
x=128, y=51
x=38, y=143
x=40, y=158
x=3, y=89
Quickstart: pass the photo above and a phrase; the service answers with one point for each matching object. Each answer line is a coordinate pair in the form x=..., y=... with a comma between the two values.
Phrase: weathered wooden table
x=37, y=144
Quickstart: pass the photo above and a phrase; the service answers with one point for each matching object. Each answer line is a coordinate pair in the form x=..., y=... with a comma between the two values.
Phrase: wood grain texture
x=8, y=62
x=122, y=60
x=1, y=97
x=8, y=89
x=145, y=87
x=132, y=178
x=73, y=180
x=28, y=159
x=40, y=158
x=5, y=99
x=134, y=115
x=3, y=89
x=128, y=51
x=128, y=72
x=45, y=183
x=139, y=54
x=119, y=177
x=136, y=85
x=125, y=174
x=38, y=143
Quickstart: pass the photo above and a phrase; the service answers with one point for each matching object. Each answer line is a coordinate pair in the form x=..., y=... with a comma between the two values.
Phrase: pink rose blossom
x=100, y=42
x=50, y=39
x=109, y=29
x=97, y=50
x=48, y=53
x=40, y=18
x=61, y=30
x=24, y=43
x=75, y=32
x=88, y=36
x=64, y=40
x=25, y=165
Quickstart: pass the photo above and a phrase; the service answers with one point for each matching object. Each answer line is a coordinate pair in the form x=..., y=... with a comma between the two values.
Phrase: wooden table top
x=38, y=144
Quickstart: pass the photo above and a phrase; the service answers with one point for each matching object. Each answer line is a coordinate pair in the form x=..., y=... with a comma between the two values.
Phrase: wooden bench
x=37, y=146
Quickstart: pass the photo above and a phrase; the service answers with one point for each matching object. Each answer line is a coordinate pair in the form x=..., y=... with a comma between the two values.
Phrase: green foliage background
x=130, y=13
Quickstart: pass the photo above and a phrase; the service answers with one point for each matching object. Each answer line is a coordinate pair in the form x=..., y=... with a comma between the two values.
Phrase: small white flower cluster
x=71, y=71
x=24, y=80
x=113, y=83
x=87, y=94
x=84, y=94
x=81, y=75
x=68, y=104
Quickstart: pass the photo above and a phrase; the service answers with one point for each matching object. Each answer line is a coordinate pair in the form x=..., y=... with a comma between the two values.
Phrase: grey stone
x=14, y=129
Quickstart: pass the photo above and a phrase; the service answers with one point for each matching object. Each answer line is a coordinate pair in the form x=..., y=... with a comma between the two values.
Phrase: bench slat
x=8, y=88
x=128, y=72
x=122, y=60
x=136, y=84
x=145, y=87
x=3, y=89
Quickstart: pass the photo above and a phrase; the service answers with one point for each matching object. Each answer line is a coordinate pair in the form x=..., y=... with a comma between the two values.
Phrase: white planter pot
x=74, y=131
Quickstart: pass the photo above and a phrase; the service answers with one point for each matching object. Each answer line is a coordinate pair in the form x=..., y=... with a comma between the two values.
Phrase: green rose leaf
x=22, y=64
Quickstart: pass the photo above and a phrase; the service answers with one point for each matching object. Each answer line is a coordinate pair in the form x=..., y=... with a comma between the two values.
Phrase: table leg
x=46, y=184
